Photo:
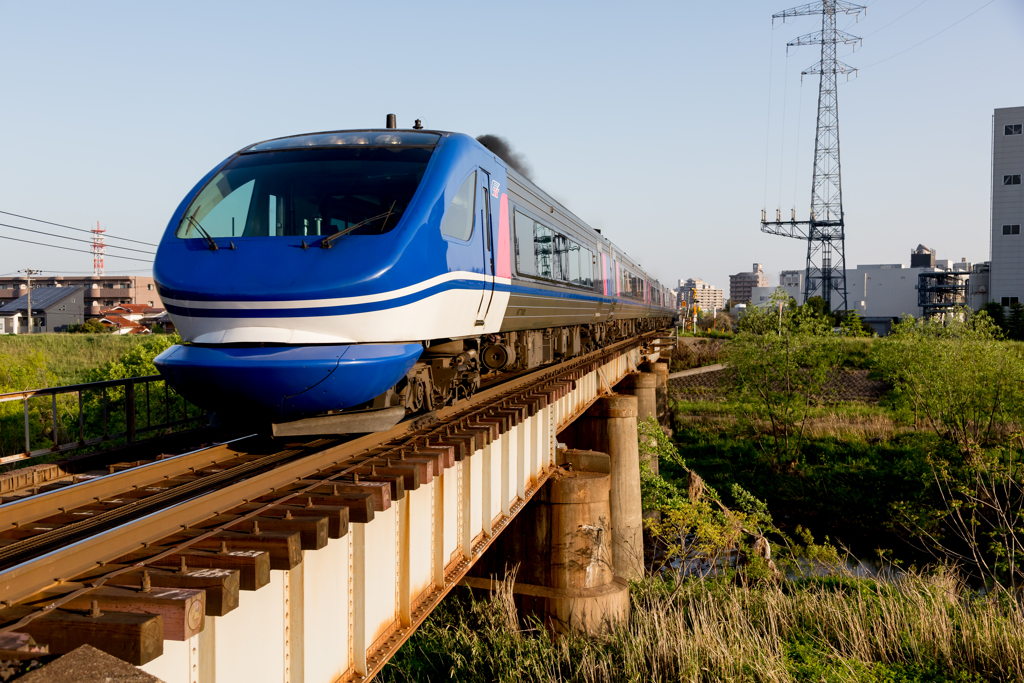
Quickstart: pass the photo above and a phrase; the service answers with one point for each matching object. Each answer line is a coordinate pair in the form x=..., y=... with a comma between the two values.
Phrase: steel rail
x=34, y=575
x=32, y=508
x=10, y=554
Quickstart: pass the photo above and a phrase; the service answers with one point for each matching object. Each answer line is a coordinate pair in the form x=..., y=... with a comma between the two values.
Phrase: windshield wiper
x=202, y=231
x=325, y=243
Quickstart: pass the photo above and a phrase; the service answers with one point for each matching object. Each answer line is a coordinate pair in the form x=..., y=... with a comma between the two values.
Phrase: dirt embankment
x=845, y=385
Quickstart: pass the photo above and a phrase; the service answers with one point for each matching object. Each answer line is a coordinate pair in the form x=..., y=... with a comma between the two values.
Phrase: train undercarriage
x=450, y=370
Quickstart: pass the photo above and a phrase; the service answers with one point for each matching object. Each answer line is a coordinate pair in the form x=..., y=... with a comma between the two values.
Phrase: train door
x=484, y=208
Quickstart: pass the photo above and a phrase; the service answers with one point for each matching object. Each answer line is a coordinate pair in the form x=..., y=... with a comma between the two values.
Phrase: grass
x=916, y=628
x=70, y=357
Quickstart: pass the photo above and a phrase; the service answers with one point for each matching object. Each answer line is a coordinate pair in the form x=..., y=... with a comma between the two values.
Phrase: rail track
x=240, y=508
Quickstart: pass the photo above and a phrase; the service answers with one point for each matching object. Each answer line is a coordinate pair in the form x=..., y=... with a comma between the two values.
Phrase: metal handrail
x=133, y=426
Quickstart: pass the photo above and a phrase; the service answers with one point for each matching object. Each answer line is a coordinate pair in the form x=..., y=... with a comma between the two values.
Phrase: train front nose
x=285, y=382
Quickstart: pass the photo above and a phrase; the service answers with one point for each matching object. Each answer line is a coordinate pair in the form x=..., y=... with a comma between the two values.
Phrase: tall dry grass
x=866, y=425
x=840, y=629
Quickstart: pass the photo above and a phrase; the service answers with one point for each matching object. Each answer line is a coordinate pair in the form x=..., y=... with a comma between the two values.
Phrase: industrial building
x=1006, y=277
x=791, y=281
x=882, y=293
x=741, y=285
x=53, y=309
x=100, y=291
x=705, y=295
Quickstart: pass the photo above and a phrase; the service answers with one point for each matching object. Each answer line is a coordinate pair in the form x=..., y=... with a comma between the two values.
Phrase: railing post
x=129, y=409
x=81, y=418
x=56, y=441
x=28, y=445
x=104, y=412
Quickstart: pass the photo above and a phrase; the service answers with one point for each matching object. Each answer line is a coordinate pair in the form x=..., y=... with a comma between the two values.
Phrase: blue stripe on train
x=349, y=309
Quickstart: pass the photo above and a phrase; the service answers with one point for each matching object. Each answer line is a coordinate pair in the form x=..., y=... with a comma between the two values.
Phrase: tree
x=967, y=386
x=956, y=376
x=780, y=364
x=90, y=326
x=997, y=313
x=819, y=307
x=852, y=326
x=1015, y=322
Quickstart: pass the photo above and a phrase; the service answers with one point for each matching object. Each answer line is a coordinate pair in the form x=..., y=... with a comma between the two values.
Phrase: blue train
x=348, y=271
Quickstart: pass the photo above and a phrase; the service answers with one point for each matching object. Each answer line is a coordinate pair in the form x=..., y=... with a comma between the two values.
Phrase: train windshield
x=296, y=193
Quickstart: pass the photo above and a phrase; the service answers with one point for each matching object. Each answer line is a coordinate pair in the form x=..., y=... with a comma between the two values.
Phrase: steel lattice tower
x=825, y=229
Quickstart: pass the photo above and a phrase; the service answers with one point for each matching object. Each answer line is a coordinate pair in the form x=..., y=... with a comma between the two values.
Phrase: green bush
x=779, y=366
x=954, y=377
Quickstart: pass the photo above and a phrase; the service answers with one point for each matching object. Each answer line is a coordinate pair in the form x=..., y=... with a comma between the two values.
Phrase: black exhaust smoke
x=501, y=147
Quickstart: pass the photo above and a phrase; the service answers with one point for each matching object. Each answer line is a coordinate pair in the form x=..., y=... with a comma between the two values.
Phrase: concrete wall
x=71, y=311
x=883, y=290
x=1007, y=274
x=760, y=296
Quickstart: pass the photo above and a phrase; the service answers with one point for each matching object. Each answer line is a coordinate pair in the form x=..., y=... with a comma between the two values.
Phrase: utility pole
x=825, y=229
x=28, y=277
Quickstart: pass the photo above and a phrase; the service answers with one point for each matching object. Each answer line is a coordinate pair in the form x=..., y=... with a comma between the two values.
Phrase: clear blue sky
x=649, y=120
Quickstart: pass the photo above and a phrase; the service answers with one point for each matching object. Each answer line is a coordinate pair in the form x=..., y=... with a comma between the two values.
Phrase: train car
x=393, y=271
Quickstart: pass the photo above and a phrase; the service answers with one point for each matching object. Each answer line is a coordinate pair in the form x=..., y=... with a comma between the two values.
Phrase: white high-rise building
x=695, y=290
x=1006, y=276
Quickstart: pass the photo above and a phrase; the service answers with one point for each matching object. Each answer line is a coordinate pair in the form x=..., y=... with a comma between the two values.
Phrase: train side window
x=561, y=260
x=458, y=219
x=574, y=263
x=543, y=239
x=526, y=259
x=587, y=267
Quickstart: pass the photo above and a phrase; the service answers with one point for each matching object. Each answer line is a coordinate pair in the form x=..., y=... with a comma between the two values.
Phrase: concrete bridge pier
x=644, y=385
x=562, y=543
x=660, y=368
x=609, y=426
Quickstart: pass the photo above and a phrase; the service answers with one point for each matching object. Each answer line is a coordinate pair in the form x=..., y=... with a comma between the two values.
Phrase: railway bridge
x=311, y=560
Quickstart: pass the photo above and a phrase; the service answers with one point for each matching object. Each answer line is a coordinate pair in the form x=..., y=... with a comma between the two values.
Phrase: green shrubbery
x=103, y=410
x=70, y=358
x=939, y=465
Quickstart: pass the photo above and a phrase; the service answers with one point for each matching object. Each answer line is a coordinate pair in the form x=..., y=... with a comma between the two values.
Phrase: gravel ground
x=88, y=665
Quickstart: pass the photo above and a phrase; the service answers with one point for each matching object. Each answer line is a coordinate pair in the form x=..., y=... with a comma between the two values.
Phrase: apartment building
x=100, y=291
x=705, y=295
x=741, y=285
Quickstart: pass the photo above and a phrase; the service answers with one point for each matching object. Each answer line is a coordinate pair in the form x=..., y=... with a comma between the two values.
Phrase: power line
x=896, y=19
x=73, y=239
x=768, y=132
x=83, y=251
x=59, y=225
x=931, y=36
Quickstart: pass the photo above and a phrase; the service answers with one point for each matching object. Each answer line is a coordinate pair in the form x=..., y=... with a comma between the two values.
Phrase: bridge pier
x=609, y=426
x=562, y=545
x=660, y=368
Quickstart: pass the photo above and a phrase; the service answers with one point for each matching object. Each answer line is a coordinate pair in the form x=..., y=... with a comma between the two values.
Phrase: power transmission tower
x=825, y=229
